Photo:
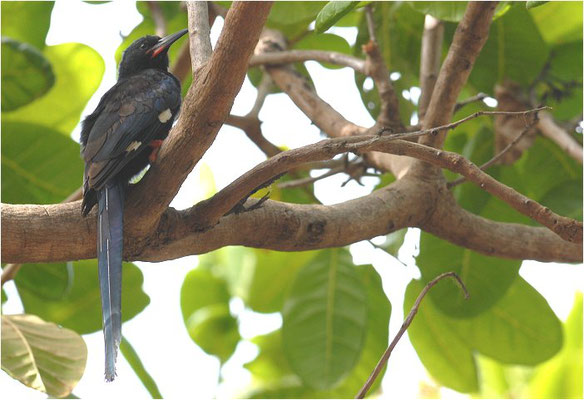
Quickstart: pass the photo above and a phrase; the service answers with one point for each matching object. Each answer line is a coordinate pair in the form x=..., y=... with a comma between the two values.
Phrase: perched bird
x=118, y=140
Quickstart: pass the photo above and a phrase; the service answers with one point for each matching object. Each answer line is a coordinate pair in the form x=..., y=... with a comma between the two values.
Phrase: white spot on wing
x=164, y=116
x=133, y=146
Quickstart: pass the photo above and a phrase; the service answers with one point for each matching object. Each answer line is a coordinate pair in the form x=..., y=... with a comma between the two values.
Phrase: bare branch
x=158, y=17
x=469, y=38
x=253, y=130
x=404, y=327
x=200, y=40
x=476, y=98
x=10, y=270
x=292, y=56
x=562, y=138
x=429, y=60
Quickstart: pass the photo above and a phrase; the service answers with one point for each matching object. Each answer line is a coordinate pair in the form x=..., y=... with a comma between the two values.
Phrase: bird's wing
x=132, y=114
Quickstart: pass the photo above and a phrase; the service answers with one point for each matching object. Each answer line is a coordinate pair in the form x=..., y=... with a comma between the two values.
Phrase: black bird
x=118, y=140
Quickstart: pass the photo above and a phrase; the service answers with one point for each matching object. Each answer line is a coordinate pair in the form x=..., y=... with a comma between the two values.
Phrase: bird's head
x=147, y=52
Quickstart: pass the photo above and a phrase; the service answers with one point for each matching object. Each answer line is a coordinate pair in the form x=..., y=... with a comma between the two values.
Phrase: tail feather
x=109, y=249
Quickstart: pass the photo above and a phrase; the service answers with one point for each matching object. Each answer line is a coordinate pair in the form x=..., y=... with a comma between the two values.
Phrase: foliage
x=335, y=313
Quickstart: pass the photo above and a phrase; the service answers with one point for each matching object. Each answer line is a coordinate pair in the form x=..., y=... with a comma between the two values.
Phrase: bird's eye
x=143, y=46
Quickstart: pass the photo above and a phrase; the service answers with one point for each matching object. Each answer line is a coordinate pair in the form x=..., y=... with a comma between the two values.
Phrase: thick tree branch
x=407, y=202
x=469, y=38
x=205, y=107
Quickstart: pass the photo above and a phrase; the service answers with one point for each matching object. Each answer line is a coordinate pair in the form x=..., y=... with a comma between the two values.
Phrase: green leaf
x=39, y=164
x=440, y=347
x=271, y=277
x=515, y=50
x=293, y=18
x=27, y=21
x=486, y=278
x=270, y=367
x=205, y=309
x=134, y=360
x=326, y=42
x=561, y=377
x=80, y=308
x=42, y=355
x=559, y=21
x=78, y=71
x=376, y=339
x=272, y=373
x=47, y=281
x=332, y=12
x=445, y=10
x=324, y=320
x=521, y=328
x=26, y=74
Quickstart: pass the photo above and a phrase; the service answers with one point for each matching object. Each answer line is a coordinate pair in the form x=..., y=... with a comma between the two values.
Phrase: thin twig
x=498, y=156
x=478, y=97
x=263, y=92
x=404, y=327
x=10, y=270
x=452, y=125
x=158, y=17
x=309, y=179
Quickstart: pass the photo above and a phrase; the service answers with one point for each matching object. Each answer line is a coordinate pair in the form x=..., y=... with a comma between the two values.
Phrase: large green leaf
x=204, y=303
x=331, y=13
x=47, y=281
x=271, y=277
x=26, y=74
x=376, y=339
x=78, y=70
x=561, y=377
x=487, y=278
x=291, y=17
x=27, y=21
x=520, y=328
x=80, y=308
x=39, y=164
x=559, y=21
x=515, y=50
x=324, y=320
x=273, y=376
x=42, y=355
x=440, y=347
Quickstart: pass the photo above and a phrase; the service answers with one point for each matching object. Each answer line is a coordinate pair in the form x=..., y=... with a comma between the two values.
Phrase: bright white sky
x=158, y=334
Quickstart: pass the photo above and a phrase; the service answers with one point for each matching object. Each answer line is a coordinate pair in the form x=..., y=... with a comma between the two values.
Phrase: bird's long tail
x=109, y=255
